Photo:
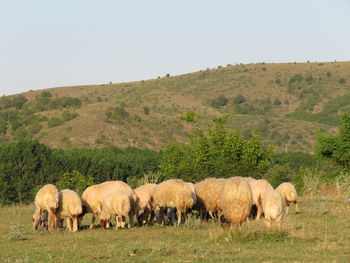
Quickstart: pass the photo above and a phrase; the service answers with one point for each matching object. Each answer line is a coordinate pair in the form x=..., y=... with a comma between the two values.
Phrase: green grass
x=320, y=233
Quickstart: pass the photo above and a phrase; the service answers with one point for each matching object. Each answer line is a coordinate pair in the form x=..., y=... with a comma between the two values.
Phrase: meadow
x=319, y=233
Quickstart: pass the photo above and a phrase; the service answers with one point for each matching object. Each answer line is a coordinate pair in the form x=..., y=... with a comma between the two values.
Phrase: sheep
x=46, y=199
x=259, y=188
x=208, y=196
x=70, y=207
x=143, y=193
x=172, y=193
x=236, y=200
x=94, y=195
x=273, y=207
x=289, y=193
x=116, y=204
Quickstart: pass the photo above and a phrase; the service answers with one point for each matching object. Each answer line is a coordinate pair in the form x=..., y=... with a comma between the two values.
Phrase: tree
x=75, y=181
x=336, y=148
x=216, y=152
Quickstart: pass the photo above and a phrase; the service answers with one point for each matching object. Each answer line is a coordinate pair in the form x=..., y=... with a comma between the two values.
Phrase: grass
x=319, y=233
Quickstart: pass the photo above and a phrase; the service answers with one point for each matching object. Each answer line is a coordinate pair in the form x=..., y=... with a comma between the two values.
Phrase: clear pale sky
x=47, y=44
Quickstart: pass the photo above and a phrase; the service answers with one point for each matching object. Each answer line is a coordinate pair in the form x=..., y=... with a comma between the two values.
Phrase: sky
x=46, y=44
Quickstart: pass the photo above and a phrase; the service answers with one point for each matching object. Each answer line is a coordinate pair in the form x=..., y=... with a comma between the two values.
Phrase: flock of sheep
x=228, y=201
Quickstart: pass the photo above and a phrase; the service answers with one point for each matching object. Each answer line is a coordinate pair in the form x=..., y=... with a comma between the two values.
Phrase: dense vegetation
x=27, y=165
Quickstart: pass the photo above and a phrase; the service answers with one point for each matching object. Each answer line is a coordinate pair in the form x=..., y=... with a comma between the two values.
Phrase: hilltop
x=286, y=103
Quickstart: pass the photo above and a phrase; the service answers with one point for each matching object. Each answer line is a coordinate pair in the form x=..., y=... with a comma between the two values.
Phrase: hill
x=285, y=103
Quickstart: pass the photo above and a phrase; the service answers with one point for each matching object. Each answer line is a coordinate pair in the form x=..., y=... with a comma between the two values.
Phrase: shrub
x=75, y=180
x=146, y=110
x=34, y=128
x=67, y=116
x=117, y=113
x=341, y=81
x=244, y=108
x=190, y=117
x=277, y=102
x=54, y=121
x=219, y=101
x=238, y=99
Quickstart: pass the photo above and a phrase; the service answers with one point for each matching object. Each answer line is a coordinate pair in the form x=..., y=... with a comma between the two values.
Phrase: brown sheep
x=143, y=193
x=259, y=188
x=116, y=204
x=273, y=207
x=172, y=193
x=208, y=194
x=236, y=200
x=289, y=193
x=46, y=199
x=70, y=207
x=94, y=195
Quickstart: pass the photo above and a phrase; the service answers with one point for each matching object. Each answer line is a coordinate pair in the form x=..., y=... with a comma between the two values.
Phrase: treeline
x=27, y=165
x=215, y=151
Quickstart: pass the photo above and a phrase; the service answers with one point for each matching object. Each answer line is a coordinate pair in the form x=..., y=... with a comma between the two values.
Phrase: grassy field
x=320, y=233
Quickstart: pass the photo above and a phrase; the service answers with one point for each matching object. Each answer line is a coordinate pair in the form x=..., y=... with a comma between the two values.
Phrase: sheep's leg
x=259, y=211
x=151, y=218
x=117, y=222
x=131, y=219
x=36, y=218
x=75, y=223
x=52, y=220
x=296, y=207
x=210, y=212
x=179, y=216
x=69, y=224
x=287, y=208
x=267, y=222
x=93, y=218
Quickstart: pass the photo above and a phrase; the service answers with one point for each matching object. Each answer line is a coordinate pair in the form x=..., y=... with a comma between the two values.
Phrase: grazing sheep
x=236, y=200
x=172, y=193
x=208, y=194
x=193, y=192
x=259, y=188
x=46, y=199
x=70, y=207
x=94, y=195
x=143, y=193
x=287, y=190
x=116, y=204
x=273, y=207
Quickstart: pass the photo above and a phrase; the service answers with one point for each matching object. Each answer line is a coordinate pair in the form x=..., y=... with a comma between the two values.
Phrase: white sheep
x=273, y=207
x=116, y=204
x=236, y=200
x=208, y=194
x=173, y=193
x=94, y=195
x=143, y=193
x=46, y=199
x=69, y=207
x=289, y=193
x=259, y=188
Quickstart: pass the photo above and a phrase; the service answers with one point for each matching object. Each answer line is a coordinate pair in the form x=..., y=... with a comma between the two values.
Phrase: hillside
x=285, y=103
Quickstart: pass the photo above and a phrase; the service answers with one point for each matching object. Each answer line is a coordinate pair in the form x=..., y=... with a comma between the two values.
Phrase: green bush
x=75, y=181
x=54, y=122
x=219, y=101
x=239, y=99
x=146, y=110
x=190, y=117
x=67, y=115
x=215, y=152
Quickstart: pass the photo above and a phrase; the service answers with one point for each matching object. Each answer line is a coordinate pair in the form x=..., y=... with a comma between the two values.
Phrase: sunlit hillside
x=285, y=103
